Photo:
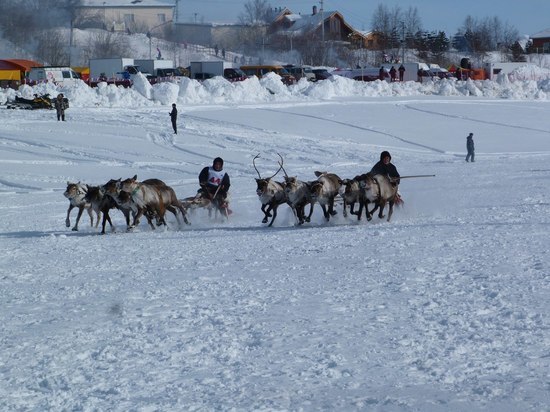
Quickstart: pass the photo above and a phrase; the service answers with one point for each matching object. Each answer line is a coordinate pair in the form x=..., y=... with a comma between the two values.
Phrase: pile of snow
x=271, y=89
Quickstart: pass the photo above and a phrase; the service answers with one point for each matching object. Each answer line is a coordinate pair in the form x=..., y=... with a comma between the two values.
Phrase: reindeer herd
x=298, y=194
x=152, y=198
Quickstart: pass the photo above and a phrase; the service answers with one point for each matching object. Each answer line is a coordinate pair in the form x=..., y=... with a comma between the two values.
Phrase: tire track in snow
x=367, y=129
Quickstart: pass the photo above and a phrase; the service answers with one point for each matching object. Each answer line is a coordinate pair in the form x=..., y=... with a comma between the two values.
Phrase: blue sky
x=528, y=16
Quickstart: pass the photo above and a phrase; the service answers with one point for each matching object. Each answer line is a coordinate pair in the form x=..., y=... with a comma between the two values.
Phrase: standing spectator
x=174, y=118
x=401, y=72
x=223, y=53
x=381, y=73
x=393, y=73
x=470, y=147
x=216, y=50
x=61, y=104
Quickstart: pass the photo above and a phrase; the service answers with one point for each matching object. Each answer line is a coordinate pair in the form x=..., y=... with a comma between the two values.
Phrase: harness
x=138, y=186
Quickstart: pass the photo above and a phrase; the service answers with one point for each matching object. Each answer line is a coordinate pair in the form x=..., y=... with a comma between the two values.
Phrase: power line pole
x=322, y=22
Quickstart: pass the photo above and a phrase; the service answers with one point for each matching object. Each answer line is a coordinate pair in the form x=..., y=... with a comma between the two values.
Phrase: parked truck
x=118, y=70
x=154, y=67
x=208, y=69
x=492, y=70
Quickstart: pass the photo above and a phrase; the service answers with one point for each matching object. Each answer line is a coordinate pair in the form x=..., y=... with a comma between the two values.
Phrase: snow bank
x=271, y=89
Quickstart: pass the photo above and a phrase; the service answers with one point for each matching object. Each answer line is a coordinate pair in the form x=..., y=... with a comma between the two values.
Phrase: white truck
x=157, y=68
x=59, y=75
x=114, y=69
x=492, y=70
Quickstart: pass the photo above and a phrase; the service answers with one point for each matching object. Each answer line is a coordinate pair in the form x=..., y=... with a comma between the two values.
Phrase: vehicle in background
x=118, y=71
x=321, y=74
x=415, y=71
x=301, y=71
x=234, y=74
x=60, y=75
x=203, y=76
x=439, y=72
x=156, y=68
x=365, y=74
x=260, y=70
x=202, y=70
x=492, y=70
x=173, y=72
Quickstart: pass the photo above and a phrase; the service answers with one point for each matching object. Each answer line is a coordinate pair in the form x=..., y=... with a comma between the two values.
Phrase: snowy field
x=445, y=308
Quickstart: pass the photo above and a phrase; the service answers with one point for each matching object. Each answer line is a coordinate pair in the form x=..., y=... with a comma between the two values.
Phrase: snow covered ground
x=444, y=308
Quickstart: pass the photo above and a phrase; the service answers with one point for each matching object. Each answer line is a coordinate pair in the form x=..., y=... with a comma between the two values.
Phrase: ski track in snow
x=474, y=120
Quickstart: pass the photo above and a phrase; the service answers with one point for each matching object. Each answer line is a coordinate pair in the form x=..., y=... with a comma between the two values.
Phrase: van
x=261, y=70
x=59, y=75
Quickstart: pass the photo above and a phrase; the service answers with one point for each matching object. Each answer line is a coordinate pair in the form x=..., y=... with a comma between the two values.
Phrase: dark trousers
x=470, y=156
x=175, y=126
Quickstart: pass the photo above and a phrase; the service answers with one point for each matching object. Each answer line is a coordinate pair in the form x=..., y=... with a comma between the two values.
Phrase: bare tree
x=52, y=48
x=488, y=34
x=255, y=12
x=106, y=44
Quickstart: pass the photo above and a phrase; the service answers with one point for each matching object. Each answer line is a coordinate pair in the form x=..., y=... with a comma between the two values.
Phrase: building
x=327, y=25
x=541, y=41
x=13, y=72
x=126, y=15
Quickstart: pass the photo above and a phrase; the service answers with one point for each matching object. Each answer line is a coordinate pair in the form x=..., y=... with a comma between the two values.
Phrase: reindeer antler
x=254, y=163
x=280, y=167
x=281, y=164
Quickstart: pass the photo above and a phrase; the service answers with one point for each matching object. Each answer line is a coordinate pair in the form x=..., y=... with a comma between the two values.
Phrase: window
x=128, y=18
x=66, y=74
x=161, y=17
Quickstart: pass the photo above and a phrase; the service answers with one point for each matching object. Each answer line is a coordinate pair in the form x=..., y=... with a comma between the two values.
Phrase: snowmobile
x=38, y=102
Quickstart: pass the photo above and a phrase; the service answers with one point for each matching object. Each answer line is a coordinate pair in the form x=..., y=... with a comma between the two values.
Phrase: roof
x=128, y=3
x=303, y=23
x=541, y=34
x=18, y=64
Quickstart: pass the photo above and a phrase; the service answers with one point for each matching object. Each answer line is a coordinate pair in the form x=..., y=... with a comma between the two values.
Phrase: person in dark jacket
x=381, y=73
x=386, y=168
x=174, y=118
x=401, y=72
x=215, y=183
x=470, y=147
x=60, y=104
x=393, y=73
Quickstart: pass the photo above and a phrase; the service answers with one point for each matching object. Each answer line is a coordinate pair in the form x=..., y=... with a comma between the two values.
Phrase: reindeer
x=171, y=201
x=324, y=190
x=76, y=194
x=201, y=200
x=271, y=194
x=298, y=196
x=142, y=198
x=111, y=190
x=101, y=203
x=379, y=190
x=352, y=193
